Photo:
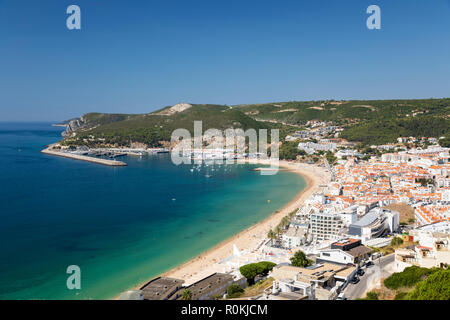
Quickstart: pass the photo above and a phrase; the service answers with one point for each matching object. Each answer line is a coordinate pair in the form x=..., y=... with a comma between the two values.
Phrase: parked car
x=376, y=256
x=341, y=296
x=360, y=272
x=369, y=264
x=355, y=280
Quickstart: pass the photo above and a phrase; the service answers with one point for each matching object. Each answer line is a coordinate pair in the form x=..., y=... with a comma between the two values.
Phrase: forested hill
x=158, y=126
x=369, y=121
x=343, y=112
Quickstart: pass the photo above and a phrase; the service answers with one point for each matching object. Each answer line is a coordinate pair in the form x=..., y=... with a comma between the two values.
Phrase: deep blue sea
x=121, y=226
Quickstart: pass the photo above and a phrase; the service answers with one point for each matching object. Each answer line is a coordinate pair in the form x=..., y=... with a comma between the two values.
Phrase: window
x=325, y=254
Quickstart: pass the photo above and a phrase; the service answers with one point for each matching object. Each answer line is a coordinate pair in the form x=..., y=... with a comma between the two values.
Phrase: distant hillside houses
x=348, y=153
x=431, y=155
x=311, y=147
x=432, y=140
x=315, y=134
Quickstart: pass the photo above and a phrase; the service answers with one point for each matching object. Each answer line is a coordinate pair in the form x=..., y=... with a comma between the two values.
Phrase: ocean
x=120, y=225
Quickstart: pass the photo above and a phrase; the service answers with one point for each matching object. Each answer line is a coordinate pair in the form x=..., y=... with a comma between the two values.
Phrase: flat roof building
x=344, y=252
x=211, y=286
x=346, y=244
x=161, y=288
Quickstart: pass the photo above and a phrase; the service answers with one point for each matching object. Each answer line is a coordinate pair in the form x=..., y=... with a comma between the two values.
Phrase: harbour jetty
x=105, y=162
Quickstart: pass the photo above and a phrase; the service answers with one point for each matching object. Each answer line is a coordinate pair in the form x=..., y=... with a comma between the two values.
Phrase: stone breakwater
x=105, y=162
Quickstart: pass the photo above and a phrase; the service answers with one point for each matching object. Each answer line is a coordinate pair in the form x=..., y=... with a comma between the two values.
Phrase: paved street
x=372, y=275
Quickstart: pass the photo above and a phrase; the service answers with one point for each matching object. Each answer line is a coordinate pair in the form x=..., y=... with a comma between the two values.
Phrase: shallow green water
x=122, y=226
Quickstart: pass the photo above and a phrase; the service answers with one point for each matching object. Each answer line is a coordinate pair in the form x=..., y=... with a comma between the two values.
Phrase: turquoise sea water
x=121, y=226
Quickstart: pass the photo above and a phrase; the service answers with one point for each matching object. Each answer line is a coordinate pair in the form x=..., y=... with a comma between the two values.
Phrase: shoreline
x=249, y=238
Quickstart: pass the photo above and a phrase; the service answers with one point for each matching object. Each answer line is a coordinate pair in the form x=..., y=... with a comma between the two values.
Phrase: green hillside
x=153, y=127
x=369, y=122
x=384, y=131
x=341, y=112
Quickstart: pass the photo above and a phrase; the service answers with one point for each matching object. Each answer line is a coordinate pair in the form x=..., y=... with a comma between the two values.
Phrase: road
x=372, y=275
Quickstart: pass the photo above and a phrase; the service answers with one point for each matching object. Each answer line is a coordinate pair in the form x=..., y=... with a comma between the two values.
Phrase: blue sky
x=139, y=56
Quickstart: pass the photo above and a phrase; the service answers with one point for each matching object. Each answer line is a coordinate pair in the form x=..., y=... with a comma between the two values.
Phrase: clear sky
x=139, y=56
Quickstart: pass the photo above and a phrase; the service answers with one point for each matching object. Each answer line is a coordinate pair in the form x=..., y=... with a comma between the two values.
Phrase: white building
x=294, y=237
x=293, y=289
x=334, y=189
x=395, y=157
x=348, y=153
x=376, y=223
x=433, y=251
x=336, y=256
x=345, y=251
x=349, y=215
x=325, y=226
x=316, y=198
x=311, y=147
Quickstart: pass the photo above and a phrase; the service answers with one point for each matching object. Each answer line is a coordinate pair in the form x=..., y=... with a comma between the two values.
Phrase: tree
x=445, y=142
x=234, y=290
x=407, y=278
x=278, y=230
x=292, y=214
x=396, y=242
x=435, y=287
x=372, y=295
x=289, y=150
x=331, y=158
x=264, y=267
x=272, y=236
x=250, y=271
x=401, y=295
x=299, y=259
x=186, y=294
x=285, y=221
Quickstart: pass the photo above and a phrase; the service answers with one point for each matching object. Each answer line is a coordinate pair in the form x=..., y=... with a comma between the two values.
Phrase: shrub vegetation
x=408, y=278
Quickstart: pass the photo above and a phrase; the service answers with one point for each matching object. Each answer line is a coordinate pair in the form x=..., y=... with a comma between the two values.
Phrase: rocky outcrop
x=180, y=107
x=72, y=126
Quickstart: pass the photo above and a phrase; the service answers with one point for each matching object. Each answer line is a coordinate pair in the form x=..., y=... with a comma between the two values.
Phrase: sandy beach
x=249, y=239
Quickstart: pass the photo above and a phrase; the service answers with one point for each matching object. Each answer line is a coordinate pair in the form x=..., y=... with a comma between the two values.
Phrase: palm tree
x=271, y=235
x=299, y=259
x=278, y=230
x=285, y=221
x=186, y=294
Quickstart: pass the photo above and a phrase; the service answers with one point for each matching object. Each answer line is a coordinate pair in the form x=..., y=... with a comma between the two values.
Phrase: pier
x=105, y=162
